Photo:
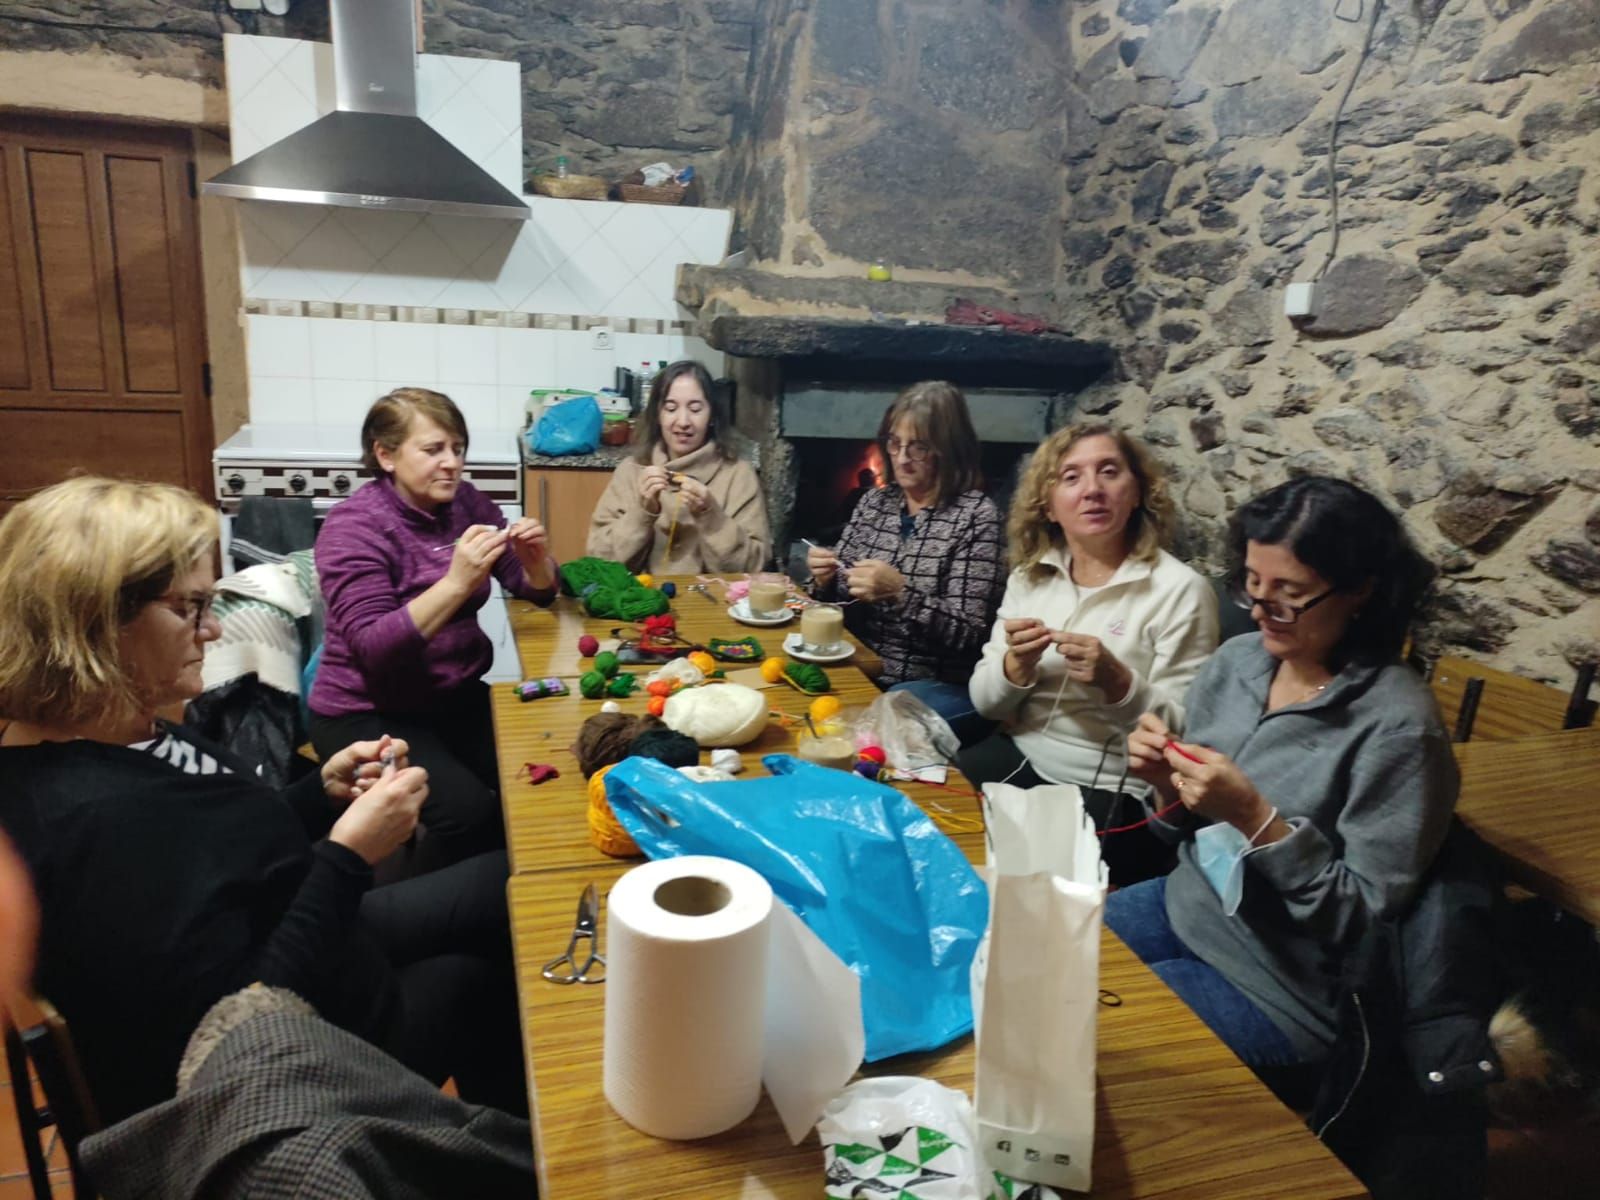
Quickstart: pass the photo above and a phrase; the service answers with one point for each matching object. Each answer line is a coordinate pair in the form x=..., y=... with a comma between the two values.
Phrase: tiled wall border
x=423, y=315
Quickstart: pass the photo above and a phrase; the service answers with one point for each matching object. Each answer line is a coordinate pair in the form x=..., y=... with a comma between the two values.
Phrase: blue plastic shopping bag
x=569, y=427
x=860, y=864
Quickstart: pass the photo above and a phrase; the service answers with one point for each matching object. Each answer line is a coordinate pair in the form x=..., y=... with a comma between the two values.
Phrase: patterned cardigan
x=954, y=565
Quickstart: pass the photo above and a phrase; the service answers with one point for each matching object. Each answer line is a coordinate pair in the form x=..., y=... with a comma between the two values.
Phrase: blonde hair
x=77, y=562
x=938, y=414
x=389, y=420
x=1030, y=529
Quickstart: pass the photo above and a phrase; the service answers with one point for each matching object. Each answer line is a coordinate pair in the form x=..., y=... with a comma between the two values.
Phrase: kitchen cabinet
x=563, y=498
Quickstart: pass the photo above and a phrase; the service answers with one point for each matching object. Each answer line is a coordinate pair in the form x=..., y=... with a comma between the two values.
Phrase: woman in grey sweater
x=1315, y=783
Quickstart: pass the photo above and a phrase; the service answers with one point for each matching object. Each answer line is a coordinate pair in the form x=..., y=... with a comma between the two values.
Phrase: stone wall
x=612, y=84
x=1454, y=363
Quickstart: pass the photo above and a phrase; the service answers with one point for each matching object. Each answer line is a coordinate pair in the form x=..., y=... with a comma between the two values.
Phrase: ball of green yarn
x=673, y=748
x=622, y=685
x=587, y=572
x=600, y=600
x=592, y=684
x=637, y=603
x=808, y=675
x=606, y=663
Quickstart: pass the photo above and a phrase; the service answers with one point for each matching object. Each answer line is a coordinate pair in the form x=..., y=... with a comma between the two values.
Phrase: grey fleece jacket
x=1364, y=774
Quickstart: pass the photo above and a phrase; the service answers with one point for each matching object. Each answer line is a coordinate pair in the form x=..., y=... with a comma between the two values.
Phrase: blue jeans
x=1138, y=915
x=950, y=701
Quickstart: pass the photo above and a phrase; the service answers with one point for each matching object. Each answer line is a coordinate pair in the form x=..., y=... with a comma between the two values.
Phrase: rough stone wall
x=921, y=132
x=1454, y=364
x=612, y=84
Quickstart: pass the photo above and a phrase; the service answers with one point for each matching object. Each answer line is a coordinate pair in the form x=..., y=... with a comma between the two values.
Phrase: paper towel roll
x=686, y=968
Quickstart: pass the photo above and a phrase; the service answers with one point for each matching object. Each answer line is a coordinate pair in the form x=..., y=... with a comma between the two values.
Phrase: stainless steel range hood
x=373, y=151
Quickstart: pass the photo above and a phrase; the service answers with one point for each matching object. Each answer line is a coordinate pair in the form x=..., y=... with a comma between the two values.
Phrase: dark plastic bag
x=860, y=864
x=570, y=427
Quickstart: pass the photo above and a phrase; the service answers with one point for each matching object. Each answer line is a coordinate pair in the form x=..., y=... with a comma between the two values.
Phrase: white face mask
x=1219, y=849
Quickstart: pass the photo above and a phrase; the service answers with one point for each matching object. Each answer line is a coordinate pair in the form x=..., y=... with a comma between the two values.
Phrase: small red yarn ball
x=873, y=754
x=588, y=645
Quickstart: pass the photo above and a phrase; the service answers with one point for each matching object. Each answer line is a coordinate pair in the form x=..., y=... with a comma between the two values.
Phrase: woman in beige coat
x=683, y=503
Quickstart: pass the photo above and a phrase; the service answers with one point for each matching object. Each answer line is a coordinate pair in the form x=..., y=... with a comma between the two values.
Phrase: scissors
x=584, y=928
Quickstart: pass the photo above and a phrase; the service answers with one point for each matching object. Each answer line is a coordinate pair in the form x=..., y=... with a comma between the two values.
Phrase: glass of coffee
x=829, y=746
x=821, y=629
x=768, y=597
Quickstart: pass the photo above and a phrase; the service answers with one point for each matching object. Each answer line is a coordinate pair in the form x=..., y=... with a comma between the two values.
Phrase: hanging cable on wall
x=1338, y=116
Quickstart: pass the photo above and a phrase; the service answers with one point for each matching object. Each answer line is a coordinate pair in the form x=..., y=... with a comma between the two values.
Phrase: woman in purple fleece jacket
x=404, y=566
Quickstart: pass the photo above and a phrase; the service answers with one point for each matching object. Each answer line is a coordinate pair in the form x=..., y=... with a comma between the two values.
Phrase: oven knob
x=341, y=484
x=297, y=484
x=236, y=482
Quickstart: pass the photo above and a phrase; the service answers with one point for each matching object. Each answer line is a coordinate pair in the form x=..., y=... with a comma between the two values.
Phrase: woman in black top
x=167, y=875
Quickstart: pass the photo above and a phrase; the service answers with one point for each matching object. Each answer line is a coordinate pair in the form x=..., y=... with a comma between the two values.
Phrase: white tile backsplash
x=479, y=404
x=407, y=351
x=467, y=354
x=342, y=349
x=343, y=403
x=527, y=357
x=281, y=401
x=279, y=347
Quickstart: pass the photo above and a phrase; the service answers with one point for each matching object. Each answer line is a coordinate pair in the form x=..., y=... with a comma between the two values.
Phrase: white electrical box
x=1300, y=300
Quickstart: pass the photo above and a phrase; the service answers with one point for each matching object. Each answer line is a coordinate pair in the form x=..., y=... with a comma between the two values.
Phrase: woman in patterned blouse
x=923, y=556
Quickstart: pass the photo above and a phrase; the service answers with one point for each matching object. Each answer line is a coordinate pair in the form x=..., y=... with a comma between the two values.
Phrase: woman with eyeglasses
x=921, y=559
x=1098, y=625
x=683, y=502
x=167, y=875
x=1313, y=783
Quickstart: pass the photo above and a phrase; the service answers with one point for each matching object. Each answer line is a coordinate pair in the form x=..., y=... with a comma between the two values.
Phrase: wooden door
x=563, y=498
x=102, y=343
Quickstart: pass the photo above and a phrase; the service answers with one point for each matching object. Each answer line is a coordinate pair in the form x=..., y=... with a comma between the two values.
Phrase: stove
x=325, y=465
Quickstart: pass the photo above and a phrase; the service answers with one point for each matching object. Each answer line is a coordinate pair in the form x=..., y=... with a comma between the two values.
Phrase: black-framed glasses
x=194, y=609
x=1280, y=612
x=915, y=451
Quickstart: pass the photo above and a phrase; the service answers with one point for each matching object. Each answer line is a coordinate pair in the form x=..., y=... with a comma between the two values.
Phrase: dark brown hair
x=390, y=418
x=938, y=415
x=647, y=435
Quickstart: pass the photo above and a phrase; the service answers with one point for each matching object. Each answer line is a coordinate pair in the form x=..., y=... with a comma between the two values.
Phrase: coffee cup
x=829, y=746
x=768, y=597
x=821, y=629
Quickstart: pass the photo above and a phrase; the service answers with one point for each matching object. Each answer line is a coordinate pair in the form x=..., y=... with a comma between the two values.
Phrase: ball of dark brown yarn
x=605, y=738
x=668, y=745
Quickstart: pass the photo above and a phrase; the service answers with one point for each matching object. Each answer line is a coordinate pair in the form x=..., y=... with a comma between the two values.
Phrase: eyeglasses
x=195, y=609
x=1279, y=611
x=915, y=451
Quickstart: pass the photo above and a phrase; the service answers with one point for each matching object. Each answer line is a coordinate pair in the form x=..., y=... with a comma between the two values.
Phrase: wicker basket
x=570, y=187
x=665, y=193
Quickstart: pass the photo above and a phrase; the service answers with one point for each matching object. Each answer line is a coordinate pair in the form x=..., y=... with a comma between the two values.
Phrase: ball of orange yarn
x=704, y=661
x=657, y=705
x=661, y=688
x=772, y=670
x=606, y=833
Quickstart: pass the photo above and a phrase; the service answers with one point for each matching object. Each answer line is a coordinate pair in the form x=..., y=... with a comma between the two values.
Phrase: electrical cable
x=1333, y=135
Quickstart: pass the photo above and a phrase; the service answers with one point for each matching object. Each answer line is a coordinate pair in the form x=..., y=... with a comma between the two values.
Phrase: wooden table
x=1177, y=1114
x=1532, y=799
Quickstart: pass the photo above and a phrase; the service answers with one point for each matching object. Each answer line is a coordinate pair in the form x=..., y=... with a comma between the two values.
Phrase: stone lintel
x=752, y=291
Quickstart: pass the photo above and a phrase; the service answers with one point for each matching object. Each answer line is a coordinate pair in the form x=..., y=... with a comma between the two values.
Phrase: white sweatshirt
x=1159, y=619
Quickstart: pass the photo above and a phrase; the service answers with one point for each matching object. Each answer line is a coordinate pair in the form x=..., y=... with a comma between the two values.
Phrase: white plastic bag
x=1036, y=986
x=901, y=1136
x=912, y=735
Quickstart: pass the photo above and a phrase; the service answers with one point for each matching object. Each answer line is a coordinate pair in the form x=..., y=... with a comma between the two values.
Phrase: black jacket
x=1402, y=1100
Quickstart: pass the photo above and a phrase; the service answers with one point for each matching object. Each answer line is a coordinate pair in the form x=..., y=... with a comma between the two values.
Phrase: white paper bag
x=1036, y=986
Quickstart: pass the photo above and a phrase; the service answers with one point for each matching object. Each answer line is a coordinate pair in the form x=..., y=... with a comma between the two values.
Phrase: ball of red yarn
x=588, y=645
x=875, y=753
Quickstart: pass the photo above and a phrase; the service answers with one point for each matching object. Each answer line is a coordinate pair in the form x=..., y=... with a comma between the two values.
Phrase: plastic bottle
x=561, y=166
x=647, y=375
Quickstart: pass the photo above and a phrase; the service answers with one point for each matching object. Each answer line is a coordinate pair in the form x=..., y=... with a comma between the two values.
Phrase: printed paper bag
x=1036, y=984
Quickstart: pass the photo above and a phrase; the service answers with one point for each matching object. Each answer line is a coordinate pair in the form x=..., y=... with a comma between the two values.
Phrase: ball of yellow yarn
x=606, y=833
x=704, y=661
x=646, y=579
x=772, y=670
x=824, y=707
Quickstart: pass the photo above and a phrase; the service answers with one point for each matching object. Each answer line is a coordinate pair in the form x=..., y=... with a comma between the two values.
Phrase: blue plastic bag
x=864, y=867
x=569, y=427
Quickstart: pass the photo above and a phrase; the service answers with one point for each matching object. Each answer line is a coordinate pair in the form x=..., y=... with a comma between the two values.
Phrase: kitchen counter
x=604, y=458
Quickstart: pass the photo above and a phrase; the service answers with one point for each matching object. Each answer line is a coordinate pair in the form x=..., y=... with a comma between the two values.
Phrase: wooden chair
x=1479, y=700
x=38, y=1035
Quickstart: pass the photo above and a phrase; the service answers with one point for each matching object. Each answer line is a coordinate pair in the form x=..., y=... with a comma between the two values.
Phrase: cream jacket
x=732, y=535
x=1159, y=619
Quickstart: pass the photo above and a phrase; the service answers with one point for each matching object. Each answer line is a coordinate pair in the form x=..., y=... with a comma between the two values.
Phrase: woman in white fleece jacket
x=1098, y=625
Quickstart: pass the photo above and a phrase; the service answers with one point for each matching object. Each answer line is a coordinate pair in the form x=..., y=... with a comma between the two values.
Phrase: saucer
x=791, y=647
x=740, y=612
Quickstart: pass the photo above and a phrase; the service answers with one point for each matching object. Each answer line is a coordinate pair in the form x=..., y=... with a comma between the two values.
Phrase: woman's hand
x=874, y=581
x=697, y=496
x=823, y=565
x=382, y=817
x=531, y=544
x=476, y=551
x=1211, y=784
x=653, y=480
x=1026, y=641
x=359, y=765
x=1088, y=661
x=1147, y=755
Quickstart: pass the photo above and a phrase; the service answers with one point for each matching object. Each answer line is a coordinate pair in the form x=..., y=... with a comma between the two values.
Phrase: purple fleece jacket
x=375, y=554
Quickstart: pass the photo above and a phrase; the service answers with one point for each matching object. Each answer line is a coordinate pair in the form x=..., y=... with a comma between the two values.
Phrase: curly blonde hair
x=77, y=562
x=1030, y=529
